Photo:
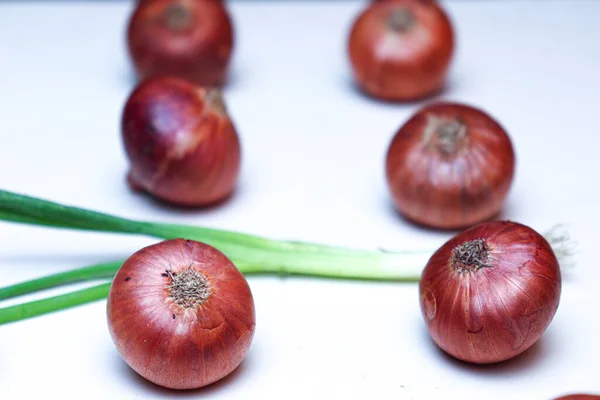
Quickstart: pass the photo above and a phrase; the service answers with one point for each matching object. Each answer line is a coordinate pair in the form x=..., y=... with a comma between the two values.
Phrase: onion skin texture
x=171, y=345
x=496, y=312
x=401, y=50
x=181, y=144
x=445, y=182
x=189, y=39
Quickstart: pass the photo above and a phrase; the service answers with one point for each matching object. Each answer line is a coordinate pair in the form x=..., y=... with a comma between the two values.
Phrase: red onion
x=181, y=314
x=401, y=49
x=190, y=39
x=579, y=397
x=450, y=166
x=181, y=144
x=490, y=292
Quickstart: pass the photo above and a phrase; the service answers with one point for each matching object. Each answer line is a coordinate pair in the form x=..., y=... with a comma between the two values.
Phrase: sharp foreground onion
x=181, y=144
x=450, y=166
x=490, y=292
x=401, y=49
x=190, y=39
x=181, y=314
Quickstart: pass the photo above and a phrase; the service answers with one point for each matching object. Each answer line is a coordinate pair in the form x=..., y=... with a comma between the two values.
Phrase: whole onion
x=450, y=166
x=190, y=39
x=180, y=142
x=401, y=50
x=579, y=397
x=490, y=292
x=181, y=314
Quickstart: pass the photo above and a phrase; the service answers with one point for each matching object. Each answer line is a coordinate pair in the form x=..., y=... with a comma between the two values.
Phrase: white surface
x=312, y=170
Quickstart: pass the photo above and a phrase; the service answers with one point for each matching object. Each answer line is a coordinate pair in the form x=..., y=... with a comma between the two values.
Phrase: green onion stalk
x=253, y=255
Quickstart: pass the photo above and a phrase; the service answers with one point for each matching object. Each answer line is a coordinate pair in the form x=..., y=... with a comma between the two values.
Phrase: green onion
x=92, y=272
x=52, y=304
x=253, y=255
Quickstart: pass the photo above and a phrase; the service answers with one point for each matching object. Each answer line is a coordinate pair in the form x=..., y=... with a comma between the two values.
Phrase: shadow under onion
x=398, y=216
x=181, y=208
x=531, y=357
x=213, y=388
x=446, y=90
x=507, y=213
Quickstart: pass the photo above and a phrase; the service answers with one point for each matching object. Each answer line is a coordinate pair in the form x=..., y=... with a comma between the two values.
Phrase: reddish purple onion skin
x=491, y=313
x=181, y=144
x=401, y=50
x=190, y=39
x=450, y=166
x=172, y=345
x=579, y=397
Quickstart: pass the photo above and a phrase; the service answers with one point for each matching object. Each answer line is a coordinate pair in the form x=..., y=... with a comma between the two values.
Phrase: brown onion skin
x=182, y=146
x=441, y=187
x=198, y=50
x=579, y=397
x=401, y=65
x=493, y=313
x=171, y=345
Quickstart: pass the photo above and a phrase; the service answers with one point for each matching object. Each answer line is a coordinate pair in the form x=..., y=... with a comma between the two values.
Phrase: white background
x=312, y=170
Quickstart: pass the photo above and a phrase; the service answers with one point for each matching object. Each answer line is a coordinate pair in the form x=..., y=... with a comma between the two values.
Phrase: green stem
x=251, y=254
x=30, y=210
x=108, y=270
x=51, y=304
x=97, y=271
x=255, y=254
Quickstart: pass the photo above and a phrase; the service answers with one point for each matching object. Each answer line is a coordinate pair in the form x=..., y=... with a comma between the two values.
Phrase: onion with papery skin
x=489, y=293
x=450, y=166
x=401, y=50
x=190, y=39
x=181, y=314
x=181, y=143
